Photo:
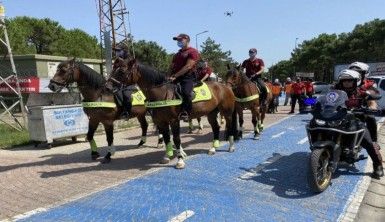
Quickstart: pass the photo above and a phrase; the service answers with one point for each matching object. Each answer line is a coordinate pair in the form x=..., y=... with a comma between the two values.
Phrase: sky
x=271, y=26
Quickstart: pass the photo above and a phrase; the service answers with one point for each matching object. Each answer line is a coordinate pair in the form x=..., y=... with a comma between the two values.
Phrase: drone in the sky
x=229, y=13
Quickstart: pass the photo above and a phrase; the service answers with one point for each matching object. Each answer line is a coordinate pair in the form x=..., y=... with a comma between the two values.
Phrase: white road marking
x=253, y=172
x=304, y=140
x=29, y=213
x=182, y=216
x=278, y=135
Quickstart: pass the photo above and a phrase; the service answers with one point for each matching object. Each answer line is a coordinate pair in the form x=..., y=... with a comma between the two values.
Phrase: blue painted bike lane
x=262, y=180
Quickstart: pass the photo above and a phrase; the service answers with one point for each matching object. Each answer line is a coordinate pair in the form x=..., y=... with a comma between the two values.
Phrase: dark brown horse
x=92, y=86
x=156, y=88
x=247, y=97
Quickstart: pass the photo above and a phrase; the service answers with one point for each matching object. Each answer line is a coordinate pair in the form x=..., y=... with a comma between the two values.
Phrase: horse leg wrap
x=169, y=150
x=260, y=125
x=181, y=153
x=216, y=144
x=93, y=145
x=231, y=140
x=190, y=125
x=111, y=149
x=256, y=129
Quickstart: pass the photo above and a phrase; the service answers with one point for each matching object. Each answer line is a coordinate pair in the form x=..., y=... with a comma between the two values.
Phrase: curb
x=355, y=200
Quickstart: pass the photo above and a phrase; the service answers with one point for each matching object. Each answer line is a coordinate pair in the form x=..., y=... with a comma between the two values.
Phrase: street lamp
x=196, y=39
x=295, y=48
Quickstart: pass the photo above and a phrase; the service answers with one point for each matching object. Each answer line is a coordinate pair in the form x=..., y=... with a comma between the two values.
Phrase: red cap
x=182, y=36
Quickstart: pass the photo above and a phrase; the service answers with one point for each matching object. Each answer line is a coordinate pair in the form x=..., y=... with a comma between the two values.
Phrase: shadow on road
x=286, y=175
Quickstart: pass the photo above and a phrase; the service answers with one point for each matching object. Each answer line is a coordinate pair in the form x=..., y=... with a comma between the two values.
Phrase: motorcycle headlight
x=320, y=122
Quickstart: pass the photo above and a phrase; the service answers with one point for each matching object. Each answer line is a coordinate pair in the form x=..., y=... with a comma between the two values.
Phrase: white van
x=380, y=81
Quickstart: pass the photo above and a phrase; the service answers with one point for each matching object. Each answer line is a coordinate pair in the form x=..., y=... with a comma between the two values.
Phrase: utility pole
x=295, y=49
x=196, y=39
x=8, y=110
x=112, y=16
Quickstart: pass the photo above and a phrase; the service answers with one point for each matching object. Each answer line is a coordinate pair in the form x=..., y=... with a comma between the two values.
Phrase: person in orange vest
x=298, y=91
x=276, y=90
x=288, y=90
x=309, y=87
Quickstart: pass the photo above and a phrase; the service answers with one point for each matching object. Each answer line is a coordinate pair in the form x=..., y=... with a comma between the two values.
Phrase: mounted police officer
x=123, y=93
x=254, y=68
x=183, y=71
x=350, y=82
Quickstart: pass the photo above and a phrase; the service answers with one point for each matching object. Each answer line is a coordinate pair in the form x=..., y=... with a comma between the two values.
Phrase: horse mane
x=94, y=79
x=151, y=74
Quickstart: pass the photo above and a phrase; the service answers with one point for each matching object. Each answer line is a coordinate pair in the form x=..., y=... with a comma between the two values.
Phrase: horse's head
x=233, y=76
x=125, y=72
x=66, y=74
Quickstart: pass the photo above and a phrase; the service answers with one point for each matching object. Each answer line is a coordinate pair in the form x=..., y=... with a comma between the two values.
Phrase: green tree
x=319, y=55
x=76, y=43
x=216, y=57
x=44, y=36
x=150, y=53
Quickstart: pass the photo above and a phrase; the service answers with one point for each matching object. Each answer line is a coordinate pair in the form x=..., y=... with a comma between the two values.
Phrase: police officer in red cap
x=254, y=68
x=183, y=70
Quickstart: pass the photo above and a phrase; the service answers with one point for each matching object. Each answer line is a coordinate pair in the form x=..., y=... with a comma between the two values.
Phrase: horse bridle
x=67, y=81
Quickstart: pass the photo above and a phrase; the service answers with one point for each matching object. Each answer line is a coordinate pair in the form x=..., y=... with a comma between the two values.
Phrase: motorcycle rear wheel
x=319, y=175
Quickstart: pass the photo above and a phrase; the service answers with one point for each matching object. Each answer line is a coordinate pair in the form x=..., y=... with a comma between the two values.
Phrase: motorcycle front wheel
x=319, y=175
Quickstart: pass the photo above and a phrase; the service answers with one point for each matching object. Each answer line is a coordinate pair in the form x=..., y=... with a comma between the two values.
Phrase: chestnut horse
x=247, y=97
x=92, y=86
x=156, y=88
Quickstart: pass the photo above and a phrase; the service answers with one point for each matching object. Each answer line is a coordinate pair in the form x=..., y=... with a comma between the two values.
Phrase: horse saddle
x=201, y=92
x=130, y=94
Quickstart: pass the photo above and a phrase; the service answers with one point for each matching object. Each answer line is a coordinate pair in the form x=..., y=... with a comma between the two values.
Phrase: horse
x=101, y=106
x=247, y=97
x=157, y=88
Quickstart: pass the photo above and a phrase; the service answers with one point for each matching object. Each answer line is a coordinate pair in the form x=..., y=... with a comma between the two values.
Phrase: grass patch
x=11, y=137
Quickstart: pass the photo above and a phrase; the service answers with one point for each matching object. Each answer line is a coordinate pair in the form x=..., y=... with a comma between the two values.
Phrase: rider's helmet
x=361, y=68
x=349, y=74
x=276, y=80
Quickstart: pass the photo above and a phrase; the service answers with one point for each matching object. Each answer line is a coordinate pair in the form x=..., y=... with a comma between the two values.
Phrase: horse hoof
x=212, y=151
x=190, y=132
x=199, y=131
x=180, y=164
x=160, y=145
x=141, y=143
x=95, y=155
x=256, y=137
x=231, y=149
x=106, y=160
x=165, y=160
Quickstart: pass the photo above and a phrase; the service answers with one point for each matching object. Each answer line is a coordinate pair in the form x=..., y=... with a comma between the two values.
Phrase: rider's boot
x=378, y=170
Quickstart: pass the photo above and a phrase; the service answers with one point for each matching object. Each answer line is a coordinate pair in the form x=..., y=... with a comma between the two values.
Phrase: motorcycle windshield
x=331, y=104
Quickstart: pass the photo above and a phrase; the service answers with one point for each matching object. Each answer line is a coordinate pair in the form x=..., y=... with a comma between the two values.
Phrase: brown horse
x=156, y=88
x=92, y=86
x=247, y=97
